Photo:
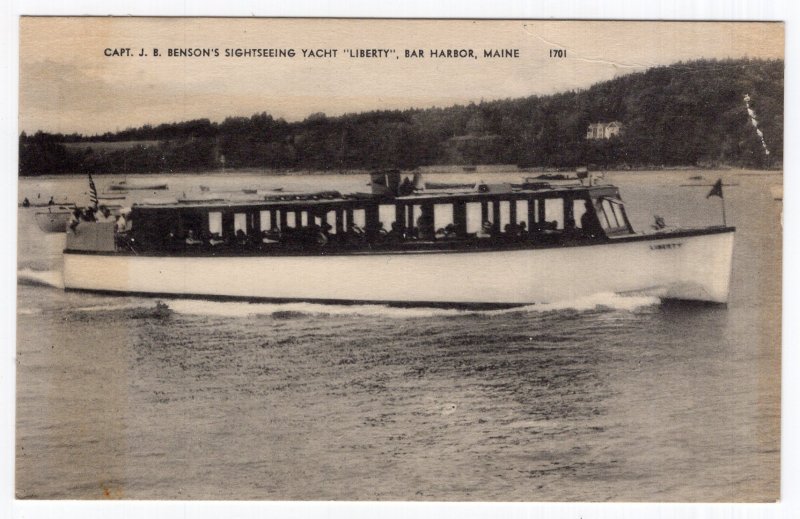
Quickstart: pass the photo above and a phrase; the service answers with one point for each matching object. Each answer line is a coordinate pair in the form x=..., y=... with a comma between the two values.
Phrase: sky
x=68, y=83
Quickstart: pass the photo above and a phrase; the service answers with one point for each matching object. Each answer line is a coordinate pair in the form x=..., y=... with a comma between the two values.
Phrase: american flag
x=92, y=192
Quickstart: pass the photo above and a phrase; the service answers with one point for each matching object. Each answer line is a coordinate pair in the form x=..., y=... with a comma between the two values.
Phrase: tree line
x=685, y=114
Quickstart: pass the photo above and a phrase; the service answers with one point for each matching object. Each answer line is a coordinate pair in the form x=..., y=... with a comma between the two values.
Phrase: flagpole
x=724, y=220
x=716, y=190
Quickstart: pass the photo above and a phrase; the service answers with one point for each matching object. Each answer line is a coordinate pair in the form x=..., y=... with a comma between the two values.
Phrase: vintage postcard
x=416, y=260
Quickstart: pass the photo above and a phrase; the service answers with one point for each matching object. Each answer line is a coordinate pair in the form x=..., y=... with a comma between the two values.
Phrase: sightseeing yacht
x=487, y=244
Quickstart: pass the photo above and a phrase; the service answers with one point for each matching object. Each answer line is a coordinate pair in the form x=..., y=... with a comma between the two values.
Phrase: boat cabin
x=391, y=217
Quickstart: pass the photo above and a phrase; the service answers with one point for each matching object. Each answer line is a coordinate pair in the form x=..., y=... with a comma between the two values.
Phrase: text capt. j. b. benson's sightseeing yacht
x=501, y=244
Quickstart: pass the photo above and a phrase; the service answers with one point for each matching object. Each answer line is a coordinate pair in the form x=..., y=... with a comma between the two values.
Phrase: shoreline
x=445, y=169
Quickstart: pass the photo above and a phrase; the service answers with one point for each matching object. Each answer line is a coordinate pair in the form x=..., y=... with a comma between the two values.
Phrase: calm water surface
x=602, y=398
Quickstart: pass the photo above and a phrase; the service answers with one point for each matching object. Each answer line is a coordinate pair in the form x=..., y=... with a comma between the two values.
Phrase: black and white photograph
x=309, y=259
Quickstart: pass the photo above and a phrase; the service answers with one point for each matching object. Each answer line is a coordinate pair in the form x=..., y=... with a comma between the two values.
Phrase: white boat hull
x=53, y=221
x=695, y=267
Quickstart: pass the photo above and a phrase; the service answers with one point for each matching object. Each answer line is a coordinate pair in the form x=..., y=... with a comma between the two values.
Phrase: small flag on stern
x=716, y=190
x=92, y=192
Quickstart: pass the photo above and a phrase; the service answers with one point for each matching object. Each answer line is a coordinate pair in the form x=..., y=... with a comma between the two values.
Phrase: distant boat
x=125, y=186
x=446, y=185
x=470, y=168
x=553, y=176
x=47, y=204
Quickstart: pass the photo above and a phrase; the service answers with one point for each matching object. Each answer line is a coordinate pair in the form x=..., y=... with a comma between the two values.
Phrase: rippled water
x=602, y=398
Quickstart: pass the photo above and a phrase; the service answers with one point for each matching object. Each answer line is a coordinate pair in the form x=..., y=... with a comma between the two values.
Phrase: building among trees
x=603, y=130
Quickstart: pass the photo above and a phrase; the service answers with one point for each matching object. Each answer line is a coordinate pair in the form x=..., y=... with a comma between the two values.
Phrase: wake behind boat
x=498, y=244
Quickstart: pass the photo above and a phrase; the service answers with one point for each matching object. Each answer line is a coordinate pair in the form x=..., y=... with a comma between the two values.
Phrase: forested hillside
x=685, y=114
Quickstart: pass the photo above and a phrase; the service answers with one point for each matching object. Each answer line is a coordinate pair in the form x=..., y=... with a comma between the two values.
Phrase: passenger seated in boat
x=121, y=225
x=88, y=215
x=353, y=228
x=75, y=219
x=241, y=237
x=522, y=230
x=191, y=239
x=426, y=228
x=354, y=234
x=313, y=234
x=216, y=239
x=271, y=236
x=485, y=230
x=51, y=201
x=447, y=233
x=395, y=235
x=589, y=222
x=104, y=215
x=405, y=188
x=325, y=229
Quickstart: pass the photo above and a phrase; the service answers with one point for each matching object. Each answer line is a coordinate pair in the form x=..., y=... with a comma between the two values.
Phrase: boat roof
x=329, y=198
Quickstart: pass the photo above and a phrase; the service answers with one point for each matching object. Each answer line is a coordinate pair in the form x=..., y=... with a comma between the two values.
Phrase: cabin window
x=332, y=222
x=554, y=211
x=442, y=215
x=533, y=213
x=601, y=215
x=505, y=214
x=578, y=210
x=473, y=217
x=522, y=212
x=611, y=215
x=290, y=219
x=619, y=214
x=215, y=223
x=266, y=220
x=386, y=215
x=240, y=222
x=360, y=218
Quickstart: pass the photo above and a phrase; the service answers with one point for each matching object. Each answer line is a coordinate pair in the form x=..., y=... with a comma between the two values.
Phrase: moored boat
x=484, y=245
x=124, y=185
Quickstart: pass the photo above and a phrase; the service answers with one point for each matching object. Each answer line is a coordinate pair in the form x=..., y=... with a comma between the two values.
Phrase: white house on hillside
x=603, y=130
